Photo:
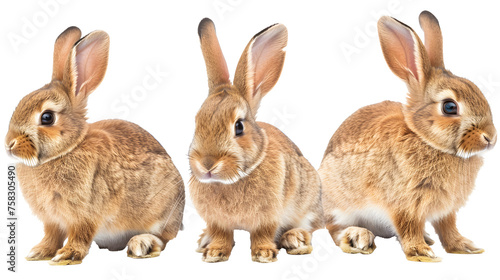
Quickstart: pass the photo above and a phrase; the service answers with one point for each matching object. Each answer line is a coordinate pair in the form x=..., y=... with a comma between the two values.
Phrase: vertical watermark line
x=11, y=218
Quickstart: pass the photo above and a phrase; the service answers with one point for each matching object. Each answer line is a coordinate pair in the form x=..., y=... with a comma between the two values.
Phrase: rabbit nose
x=491, y=140
x=208, y=162
x=11, y=145
x=490, y=136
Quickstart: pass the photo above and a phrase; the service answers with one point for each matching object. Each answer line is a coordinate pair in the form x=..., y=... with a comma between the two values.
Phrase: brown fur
x=221, y=243
x=409, y=163
x=451, y=239
x=110, y=177
x=51, y=242
x=260, y=180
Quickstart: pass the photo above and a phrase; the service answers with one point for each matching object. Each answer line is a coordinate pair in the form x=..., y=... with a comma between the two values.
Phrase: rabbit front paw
x=214, y=254
x=265, y=253
x=69, y=255
x=41, y=253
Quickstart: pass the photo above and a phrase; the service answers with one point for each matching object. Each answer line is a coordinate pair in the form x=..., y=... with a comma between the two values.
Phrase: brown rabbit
x=390, y=167
x=108, y=181
x=247, y=174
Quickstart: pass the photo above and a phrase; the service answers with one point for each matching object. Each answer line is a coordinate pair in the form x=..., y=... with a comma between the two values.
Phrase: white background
x=320, y=86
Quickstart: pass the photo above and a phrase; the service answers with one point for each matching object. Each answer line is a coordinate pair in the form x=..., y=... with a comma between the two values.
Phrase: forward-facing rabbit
x=247, y=174
x=108, y=181
x=391, y=167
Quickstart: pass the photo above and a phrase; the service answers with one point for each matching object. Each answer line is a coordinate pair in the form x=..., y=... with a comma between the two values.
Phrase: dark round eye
x=450, y=107
x=47, y=118
x=238, y=128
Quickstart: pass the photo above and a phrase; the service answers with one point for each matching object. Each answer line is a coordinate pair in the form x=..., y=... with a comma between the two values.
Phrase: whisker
x=179, y=181
x=177, y=202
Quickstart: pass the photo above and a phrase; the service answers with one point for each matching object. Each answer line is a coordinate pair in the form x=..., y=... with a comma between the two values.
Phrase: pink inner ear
x=260, y=58
x=267, y=51
x=84, y=61
x=407, y=52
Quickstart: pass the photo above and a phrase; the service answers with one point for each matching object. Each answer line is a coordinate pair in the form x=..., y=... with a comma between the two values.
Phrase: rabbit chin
x=468, y=154
x=31, y=162
x=216, y=177
x=219, y=180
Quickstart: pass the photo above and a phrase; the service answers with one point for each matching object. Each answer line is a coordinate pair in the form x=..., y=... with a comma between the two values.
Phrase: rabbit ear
x=261, y=63
x=62, y=48
x=217, y=71
x=87, y=64
x=404, y=52
x=433, y=38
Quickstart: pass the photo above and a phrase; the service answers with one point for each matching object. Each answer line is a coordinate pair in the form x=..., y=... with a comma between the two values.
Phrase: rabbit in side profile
x=108, y=181
x=390, y=167
x=246, y=174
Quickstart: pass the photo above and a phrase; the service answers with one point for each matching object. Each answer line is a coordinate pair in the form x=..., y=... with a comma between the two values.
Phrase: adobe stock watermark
x=12, y=222
x=128, y=101
x=281, y=118
x=322, y=252
x=121, y=275
x=488, y=85
x=190, y=214
x=31, y=25
x=223, y=7
x=363, y=36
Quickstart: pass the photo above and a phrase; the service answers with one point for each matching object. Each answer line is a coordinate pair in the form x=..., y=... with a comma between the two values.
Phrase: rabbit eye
x=450, y=107
x=238, y=128
x=47, y=118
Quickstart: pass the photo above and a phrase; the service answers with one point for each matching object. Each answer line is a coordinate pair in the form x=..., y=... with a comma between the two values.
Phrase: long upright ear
x=87, y=64
x=261, y=63
x=62, y=48
x=404, y=52
x=217, y=71
x=433, y=38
